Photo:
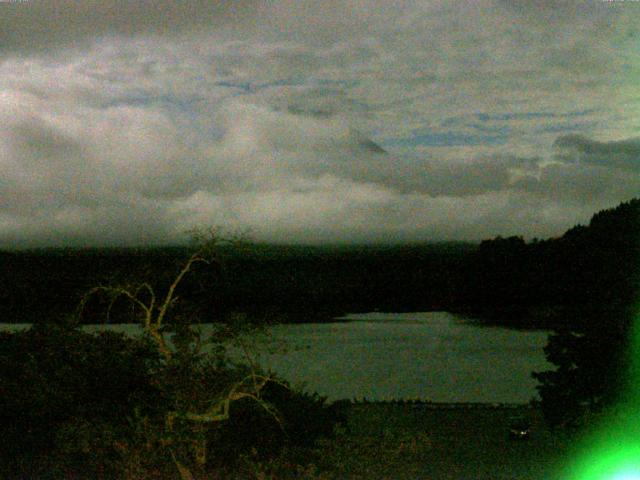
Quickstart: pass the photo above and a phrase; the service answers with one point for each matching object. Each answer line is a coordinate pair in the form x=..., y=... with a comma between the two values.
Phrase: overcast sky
x=129, y=122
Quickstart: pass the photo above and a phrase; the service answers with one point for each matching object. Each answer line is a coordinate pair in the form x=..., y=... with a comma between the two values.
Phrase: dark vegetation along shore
x=76, y=405
x=536, y=284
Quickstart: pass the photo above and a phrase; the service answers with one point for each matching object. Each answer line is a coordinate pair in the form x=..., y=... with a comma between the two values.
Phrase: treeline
x=584, y=286
x=542, y=283
x=284, y=283
x=563, y=281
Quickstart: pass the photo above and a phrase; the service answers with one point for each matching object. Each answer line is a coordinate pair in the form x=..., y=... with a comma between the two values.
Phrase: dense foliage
x=164, y=404
x=79, y=405
x=598, y=283
x=585, y=285
x=66, y=397
x=558, y=282
x=290, y=283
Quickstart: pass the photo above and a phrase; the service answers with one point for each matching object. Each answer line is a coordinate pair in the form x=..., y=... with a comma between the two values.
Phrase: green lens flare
x=612, y=451
x=620, y=462
x=631, y=475
x=633, y=359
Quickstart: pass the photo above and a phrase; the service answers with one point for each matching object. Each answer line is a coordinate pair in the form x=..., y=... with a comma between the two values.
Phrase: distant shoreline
x=428, y=405
x=285, y=318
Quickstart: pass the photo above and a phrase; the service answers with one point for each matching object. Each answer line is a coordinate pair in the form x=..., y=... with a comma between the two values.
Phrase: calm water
x=431, y=355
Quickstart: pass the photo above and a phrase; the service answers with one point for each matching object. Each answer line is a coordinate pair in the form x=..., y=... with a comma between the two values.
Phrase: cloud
x=33, y=26
x=622, y=154
x=28, y=27
x=585, y=170
x=571, y=184
x=126, y=122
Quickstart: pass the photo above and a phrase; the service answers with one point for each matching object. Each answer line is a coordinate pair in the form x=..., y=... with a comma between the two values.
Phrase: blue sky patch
x=446, y=139
x=565, y=127
x=505, y=117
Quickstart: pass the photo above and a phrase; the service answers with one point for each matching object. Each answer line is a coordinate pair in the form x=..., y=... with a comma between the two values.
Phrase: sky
x=298, y=121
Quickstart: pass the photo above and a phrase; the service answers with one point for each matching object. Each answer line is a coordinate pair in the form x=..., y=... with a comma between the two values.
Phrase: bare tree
x=153, y=313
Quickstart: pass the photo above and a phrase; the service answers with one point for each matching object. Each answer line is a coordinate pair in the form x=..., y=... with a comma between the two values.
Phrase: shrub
x=77, y=405
x=65, y=392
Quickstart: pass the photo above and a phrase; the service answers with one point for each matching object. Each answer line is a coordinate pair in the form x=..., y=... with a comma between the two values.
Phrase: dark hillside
x=542, y=283
x=287, y=282
x=591, y=268
x=590, y=350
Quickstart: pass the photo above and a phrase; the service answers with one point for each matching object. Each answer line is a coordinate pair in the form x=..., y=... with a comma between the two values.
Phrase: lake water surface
x=431, y=355
x=428, y=355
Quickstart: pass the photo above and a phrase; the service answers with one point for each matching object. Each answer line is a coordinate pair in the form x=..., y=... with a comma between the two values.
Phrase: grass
x=409, y=441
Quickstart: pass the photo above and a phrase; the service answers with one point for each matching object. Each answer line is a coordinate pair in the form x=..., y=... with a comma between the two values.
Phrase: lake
x=433, y=356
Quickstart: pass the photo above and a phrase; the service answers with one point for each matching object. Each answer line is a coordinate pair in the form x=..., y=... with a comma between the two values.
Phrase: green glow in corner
x=619, y=462
x=612, y=451
x=631, y=475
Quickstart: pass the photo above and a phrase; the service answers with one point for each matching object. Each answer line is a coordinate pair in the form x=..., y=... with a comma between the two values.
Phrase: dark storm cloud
x=40, y=140
x=623, y=154
x=469, y=178
x=35, y=25
x=586, y=170
x=575, y=184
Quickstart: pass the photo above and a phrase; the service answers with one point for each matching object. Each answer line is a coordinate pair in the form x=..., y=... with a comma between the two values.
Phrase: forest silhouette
x=555, y=282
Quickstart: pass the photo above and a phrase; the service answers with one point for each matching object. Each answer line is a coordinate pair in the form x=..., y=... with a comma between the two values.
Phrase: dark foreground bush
x=252, y=432
x=65, y=396
x=77, y=405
